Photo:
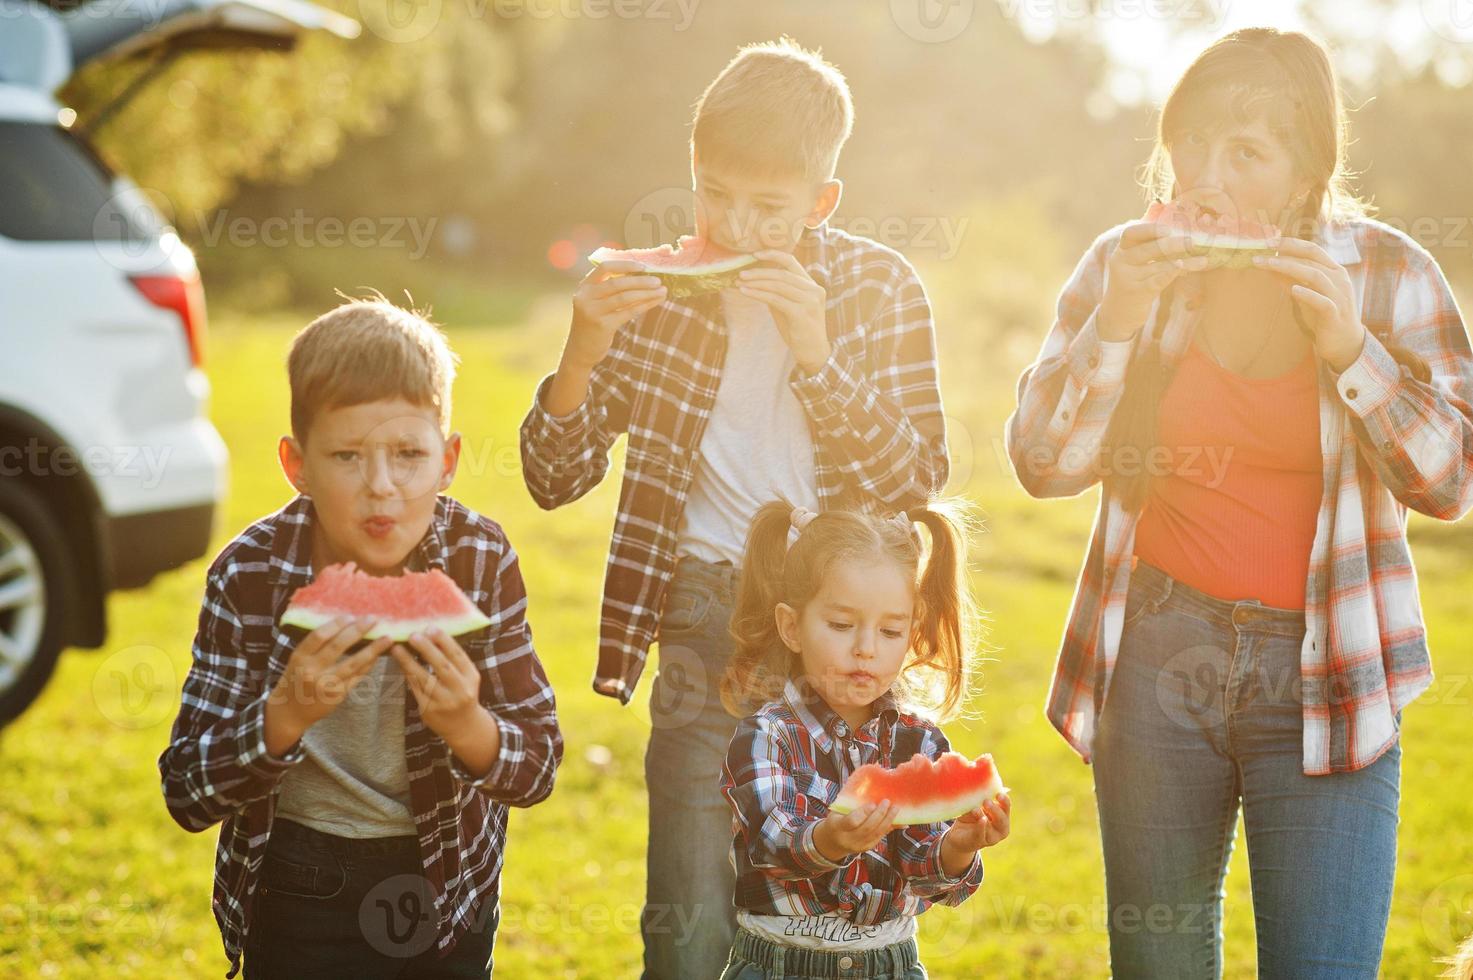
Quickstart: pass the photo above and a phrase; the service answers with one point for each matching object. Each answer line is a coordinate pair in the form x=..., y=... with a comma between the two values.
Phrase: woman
x=1246, y=626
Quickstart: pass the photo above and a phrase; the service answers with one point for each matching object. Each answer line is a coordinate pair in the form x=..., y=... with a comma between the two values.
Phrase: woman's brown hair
x=1288, y=76
x=939, y=667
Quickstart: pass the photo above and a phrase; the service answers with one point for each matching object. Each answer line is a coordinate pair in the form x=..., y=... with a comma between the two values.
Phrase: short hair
x=776, y=109
x=366, y=350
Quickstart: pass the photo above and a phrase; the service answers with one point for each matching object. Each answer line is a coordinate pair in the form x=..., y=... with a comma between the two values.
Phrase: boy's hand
x=447, y=686
x=839, y=835
x=983, y=827
x=797, y=302
x=607, y=298
x=317, y=678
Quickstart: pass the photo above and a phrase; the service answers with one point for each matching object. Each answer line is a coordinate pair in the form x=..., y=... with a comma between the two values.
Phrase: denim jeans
x=756, y=958
x=330, y=906
x=688, y=922
x=1203, y=711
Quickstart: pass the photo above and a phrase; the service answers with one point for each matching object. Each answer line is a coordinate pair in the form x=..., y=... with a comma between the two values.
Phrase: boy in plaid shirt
x=815, y=379
x=363, y=829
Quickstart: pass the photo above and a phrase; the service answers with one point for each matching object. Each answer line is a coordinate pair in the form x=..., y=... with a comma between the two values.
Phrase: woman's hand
x=1324, y=297
x=1149, y=258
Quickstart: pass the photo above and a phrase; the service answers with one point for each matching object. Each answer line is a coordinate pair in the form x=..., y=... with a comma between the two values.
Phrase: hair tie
x=800, y=518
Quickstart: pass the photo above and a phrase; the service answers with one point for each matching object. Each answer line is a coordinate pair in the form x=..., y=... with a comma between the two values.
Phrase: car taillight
x=186, y=297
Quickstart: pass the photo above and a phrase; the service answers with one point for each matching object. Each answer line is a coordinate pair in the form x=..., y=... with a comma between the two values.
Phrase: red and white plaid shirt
x=1390, y=442
x=216, y=767
x=874, y=411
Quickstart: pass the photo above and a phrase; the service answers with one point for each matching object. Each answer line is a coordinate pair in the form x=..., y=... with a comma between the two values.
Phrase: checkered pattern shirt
x=216, y=767
x=783, y=768
x=1390, y=442
x=874, y=411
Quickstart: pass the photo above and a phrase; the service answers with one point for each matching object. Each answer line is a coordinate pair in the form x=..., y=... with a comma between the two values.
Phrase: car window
x=53, y=189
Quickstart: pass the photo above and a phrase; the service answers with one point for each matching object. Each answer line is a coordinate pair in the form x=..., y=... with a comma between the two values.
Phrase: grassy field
x=95, y=879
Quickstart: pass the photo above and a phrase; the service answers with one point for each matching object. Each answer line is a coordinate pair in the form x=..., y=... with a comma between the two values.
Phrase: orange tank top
x=1233, y=513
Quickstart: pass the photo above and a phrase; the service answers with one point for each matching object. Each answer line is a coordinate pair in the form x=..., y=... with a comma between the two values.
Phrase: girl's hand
x=1324, y=296
x=1149, y=258
x=448, y=689
x=983, y=827
x=839, y=835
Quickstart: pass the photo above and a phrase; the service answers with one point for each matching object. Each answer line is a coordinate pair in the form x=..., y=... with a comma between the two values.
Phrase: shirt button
x=1064, y=415
x=1351, y=392
x=1094, y=360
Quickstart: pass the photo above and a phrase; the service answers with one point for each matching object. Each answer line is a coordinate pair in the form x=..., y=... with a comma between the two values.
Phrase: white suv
x=110, y=471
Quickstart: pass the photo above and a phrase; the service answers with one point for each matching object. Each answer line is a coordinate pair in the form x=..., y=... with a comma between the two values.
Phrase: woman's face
x=1237, y=168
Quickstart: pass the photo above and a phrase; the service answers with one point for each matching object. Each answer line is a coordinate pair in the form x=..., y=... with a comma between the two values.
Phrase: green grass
x=97, y=878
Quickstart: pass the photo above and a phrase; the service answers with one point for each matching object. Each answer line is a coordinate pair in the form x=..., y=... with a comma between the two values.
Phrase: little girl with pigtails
x=853, y=639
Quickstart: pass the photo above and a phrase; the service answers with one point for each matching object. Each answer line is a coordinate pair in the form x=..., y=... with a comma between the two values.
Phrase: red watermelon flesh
x=403, y=604
x=1224, y=239
x=927, y=791
x=694, y=265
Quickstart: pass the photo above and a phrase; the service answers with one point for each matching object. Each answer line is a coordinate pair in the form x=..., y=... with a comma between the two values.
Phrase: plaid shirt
x=874, y=411
x=216, y=766
x=783, y=768
x=1390, y=442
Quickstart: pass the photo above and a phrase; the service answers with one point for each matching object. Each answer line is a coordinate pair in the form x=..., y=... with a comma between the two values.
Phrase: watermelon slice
x=693, y=266
x=1225, y=240
x=402, y=604
x=927, y=791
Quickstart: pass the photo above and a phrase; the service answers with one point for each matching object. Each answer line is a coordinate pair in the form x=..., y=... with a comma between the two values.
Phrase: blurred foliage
x=507, y=125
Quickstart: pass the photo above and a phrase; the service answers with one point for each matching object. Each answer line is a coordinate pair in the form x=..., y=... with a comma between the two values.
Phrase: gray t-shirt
x=353, y=781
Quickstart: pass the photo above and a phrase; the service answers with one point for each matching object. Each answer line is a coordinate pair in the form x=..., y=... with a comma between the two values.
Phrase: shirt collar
x=1338, y=239
x=291, y=542
x=823, y=722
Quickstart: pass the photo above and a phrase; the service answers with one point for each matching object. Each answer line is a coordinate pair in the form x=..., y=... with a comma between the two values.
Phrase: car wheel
x=33, y=560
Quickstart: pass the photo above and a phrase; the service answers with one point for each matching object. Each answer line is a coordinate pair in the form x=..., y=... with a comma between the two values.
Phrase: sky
x=1152, y=41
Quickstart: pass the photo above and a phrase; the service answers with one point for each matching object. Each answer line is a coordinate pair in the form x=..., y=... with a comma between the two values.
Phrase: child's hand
x=839, y=835
x=983, y=827
x=607, y=298
x=447, y=686
x=797, y=302
x=317, y=678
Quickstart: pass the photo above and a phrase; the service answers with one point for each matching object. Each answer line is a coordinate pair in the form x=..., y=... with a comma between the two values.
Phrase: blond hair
x=776, y=110
x=1460, y=967
x=366, y=350
x=939, y=668
x=1287, y=75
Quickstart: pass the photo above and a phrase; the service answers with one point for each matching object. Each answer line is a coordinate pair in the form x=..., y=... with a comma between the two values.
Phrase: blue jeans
x=688, y=922
x=330, y=906
x=1203, y=711
x=756, y=958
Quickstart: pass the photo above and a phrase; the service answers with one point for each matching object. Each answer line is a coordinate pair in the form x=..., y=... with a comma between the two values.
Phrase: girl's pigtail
x=757, y=664
x=947, y=633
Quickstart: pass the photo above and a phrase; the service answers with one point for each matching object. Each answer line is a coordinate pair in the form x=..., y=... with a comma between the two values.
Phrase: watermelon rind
x=397, y=629
x=933, y=811
x=692, y=280
x=343, y=590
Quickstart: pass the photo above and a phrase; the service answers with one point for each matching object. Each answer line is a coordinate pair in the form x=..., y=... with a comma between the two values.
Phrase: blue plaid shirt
x=785, y=765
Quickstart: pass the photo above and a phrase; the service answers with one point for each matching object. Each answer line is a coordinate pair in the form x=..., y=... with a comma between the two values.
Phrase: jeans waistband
x=1241, y=614
x=716, y=575
x=290, y=832
x=791, y=961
